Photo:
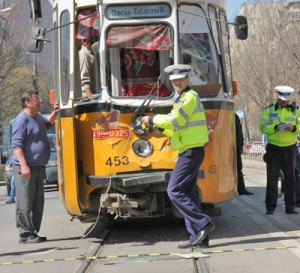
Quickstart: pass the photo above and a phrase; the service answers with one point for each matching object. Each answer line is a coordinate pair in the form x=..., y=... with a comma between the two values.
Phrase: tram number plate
x=110, y=133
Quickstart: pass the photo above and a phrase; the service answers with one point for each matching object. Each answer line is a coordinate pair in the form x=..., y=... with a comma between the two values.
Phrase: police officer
x=186, y=124
x=281, y=123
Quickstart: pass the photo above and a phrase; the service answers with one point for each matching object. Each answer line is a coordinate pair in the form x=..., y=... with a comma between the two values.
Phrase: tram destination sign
x=141, y=11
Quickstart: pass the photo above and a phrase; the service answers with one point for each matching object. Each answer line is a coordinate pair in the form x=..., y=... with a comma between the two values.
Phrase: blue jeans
x=12, y=193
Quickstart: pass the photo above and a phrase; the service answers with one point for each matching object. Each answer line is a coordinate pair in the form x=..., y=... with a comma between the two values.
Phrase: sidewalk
x=254, y=164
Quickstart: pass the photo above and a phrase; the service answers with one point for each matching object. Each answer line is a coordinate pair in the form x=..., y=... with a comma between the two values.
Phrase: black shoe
x=269, y=212
x=10, y=201
x=43, y=239
x=203, y=234
x=245, y=192
x=30, y=240
x=291, y=211
x=189, y=244
x=205, y=242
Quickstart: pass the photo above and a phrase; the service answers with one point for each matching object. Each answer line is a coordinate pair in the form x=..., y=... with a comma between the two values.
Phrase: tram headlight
x=138, y=127
x=142, y=147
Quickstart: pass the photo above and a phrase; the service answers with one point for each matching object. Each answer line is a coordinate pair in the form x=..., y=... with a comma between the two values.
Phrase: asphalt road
x=64, y=239
x=245, y=240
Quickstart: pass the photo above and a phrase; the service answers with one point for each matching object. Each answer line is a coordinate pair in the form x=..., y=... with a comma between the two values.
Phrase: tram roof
x=220, y=3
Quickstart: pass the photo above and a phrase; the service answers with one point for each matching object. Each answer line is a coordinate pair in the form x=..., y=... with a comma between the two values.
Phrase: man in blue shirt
x=31, y=153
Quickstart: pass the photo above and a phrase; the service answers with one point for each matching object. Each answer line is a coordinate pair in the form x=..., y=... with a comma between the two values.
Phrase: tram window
x=214, y=26
x=226, y=55
x=56, y=57
x=65, y=56
x=87, y=35
x=138, y=55
x=198, y=49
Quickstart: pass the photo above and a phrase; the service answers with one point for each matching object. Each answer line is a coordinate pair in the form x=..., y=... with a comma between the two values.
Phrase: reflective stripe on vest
x=173, y=120
x=192, y=124
x=273, y=118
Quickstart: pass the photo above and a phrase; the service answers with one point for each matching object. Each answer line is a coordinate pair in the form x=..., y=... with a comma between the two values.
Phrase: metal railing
x=255, y=152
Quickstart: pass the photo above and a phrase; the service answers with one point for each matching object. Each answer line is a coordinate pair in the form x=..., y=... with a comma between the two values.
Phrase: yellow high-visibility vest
x=271, y=117
x=186, y=123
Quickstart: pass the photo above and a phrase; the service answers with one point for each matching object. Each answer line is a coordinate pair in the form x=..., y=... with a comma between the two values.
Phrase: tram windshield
x=198, y=50
x=137, y=55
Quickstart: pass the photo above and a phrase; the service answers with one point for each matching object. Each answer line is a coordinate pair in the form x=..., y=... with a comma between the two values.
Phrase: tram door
x=65, y=82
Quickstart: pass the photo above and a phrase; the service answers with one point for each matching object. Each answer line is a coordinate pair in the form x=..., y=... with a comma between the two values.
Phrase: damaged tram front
x=105, y=166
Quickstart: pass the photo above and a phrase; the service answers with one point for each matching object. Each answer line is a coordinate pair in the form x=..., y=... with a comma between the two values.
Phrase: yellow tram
x=107, y=167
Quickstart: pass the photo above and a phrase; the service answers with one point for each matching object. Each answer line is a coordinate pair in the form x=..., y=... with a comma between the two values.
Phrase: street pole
x=34, y=65
x=34, y=73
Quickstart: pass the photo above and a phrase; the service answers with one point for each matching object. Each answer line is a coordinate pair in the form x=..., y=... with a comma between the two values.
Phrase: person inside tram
x=87, y=65
x=87, y=34
x=140, y=71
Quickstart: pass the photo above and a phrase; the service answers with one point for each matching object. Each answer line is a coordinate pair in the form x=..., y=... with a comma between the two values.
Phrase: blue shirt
x=30, y=134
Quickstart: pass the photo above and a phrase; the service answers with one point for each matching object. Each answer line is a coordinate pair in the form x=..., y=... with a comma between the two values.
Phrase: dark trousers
x=297, y=174
x=241, y=183
x=280, y=158
x=183, y=190
x=29, y=200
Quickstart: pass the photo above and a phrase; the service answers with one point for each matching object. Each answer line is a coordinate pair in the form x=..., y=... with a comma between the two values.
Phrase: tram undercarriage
x=131, y=195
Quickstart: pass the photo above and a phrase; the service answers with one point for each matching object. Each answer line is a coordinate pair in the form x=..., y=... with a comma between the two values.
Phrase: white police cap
x=284, y=92
x=177, y=71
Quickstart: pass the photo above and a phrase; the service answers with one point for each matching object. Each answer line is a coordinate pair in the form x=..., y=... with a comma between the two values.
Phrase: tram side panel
x=219, y=165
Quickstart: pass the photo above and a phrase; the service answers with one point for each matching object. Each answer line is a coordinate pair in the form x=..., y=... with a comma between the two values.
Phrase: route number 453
x=212, y=169
x=117, y=161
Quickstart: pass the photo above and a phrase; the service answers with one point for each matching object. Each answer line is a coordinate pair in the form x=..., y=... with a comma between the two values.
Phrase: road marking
x=193, y=254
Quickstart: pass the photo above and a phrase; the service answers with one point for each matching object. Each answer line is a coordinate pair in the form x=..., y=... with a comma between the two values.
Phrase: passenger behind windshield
x=87, y=32
x=139, y=73
x=87, y=68
x=142, y=52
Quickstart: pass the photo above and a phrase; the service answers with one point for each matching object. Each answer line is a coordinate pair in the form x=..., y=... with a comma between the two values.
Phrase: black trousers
x=280, y=158
x=297, y=187
x=239, y=164
x=297, y=174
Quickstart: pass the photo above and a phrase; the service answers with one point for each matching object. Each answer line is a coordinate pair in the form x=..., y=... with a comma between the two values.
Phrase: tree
x=11, y=61
x=16, y=73
x=269, y=57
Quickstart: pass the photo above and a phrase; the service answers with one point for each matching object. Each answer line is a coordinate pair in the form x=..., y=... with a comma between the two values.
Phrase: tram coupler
x=118, y=204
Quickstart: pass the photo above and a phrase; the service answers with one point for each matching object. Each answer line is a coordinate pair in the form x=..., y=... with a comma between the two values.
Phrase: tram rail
x=99, y=257
x=196, y=257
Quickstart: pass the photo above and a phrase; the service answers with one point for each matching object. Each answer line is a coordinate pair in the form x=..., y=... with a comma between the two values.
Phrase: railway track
x=147, y=247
